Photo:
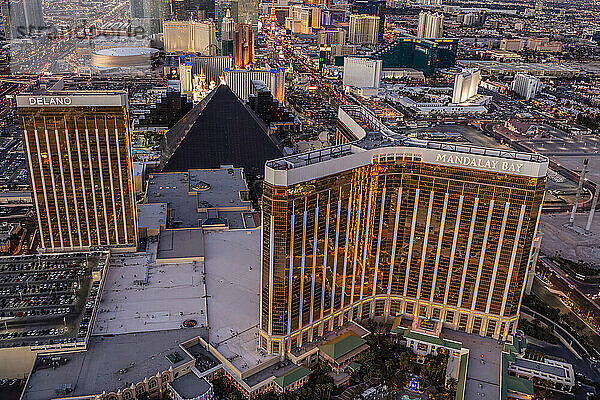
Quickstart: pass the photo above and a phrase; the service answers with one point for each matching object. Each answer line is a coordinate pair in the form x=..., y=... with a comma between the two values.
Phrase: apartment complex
x=387, y=226
x=78, y=155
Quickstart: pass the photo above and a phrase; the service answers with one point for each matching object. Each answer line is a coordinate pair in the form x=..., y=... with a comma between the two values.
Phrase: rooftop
x=143, y=297
x=110, y=363
x=292, y=377
x=519, y=385
x=152, y=215
x=539, y=366
x=276, y=370
x=349, y=328
x=126, y=51
x=379, y=137
x=232, y=264
x=190, y=386
x=342, y=345
x=451, y=344
x=462, y=376
x=197, y=195
x=483, y=363
x=180, y=245
x=204, y=359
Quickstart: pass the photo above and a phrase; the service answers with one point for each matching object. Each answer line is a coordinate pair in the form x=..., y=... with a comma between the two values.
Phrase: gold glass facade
x=79, y=165
x=396, y=236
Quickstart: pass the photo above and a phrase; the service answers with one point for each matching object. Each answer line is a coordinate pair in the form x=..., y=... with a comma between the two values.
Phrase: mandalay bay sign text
x=481, y=162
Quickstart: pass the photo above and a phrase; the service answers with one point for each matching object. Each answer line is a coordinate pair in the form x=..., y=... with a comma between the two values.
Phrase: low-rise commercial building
x=341, y=351
x=523, y=372
x=512, y=44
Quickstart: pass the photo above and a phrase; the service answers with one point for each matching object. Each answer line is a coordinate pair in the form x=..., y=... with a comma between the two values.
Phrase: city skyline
x=319, y=199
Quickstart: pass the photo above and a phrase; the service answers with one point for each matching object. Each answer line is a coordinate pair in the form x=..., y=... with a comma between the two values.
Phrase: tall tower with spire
x=227, y=33
x=273, y=17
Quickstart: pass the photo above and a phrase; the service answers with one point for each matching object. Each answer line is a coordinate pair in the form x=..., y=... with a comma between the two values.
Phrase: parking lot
x=13, y=169
x=47, y=299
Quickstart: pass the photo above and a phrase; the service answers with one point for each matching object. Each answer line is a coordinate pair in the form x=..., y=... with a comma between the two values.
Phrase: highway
x=567, y=285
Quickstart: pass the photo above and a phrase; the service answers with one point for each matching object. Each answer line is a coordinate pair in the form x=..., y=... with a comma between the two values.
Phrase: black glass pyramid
x=226, y=132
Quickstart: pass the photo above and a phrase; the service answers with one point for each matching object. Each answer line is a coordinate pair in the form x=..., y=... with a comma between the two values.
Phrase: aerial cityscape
x=299, y=199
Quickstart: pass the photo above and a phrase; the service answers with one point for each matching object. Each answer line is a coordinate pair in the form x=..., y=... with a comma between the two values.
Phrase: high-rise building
x=25, y=17
x=240, y=82
x=190, y=36
x=183, y=10
x=512, y=44
x=431, y=25
x=147, y=15
x=324, y=56
x=331, y=36
x=324, y=3
x=526, y=85
x=222, y=8
x=373, y=7
x=362, y=72
x=248, y=12
x=212, y=66
x=332, y=16
x=466, y=84
x=227, y=34
x=364, y=29
x=389, y=226
x=78, y=156
x=471, y=19
x=428, y=2
x=303, y=19
x=185, y=77
x=243, y=46
x=425, y=55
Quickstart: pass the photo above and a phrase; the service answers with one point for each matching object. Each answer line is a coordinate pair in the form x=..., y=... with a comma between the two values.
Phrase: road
x=563, y=282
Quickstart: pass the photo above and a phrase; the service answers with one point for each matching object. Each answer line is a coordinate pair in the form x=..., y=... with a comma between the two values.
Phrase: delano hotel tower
x=387, y=226
x=78, y=157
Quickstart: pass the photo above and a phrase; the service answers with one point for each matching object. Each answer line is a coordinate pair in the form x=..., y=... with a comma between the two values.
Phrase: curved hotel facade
x=387, y=226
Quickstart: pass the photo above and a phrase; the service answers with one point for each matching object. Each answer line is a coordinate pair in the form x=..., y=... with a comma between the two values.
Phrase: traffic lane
x=557, y=329
x=581, y=366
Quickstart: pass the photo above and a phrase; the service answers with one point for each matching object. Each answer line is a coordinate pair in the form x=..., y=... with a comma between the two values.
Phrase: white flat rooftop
x=126, y=51
x=232, y=262
x=172, y=294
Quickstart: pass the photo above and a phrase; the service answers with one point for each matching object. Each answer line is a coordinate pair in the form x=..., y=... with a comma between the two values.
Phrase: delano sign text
x=50, y=101
x=83, y=99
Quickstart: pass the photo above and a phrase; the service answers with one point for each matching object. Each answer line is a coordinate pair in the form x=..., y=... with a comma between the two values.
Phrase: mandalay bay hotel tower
x=387, y=225
x=78, y=155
